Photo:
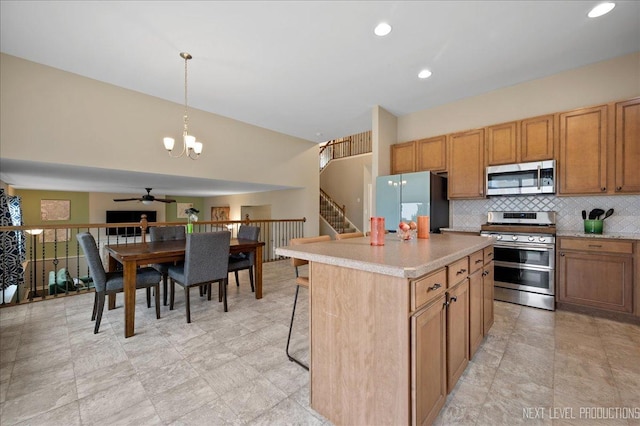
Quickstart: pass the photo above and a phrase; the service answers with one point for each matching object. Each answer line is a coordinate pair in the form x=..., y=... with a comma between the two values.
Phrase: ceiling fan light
x=168, y=143
x=189, y=141
x=601, y=9
x=197, y=147
x=147, y=202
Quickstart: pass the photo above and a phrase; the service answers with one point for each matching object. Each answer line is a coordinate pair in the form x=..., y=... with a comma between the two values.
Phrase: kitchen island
x=390, y=325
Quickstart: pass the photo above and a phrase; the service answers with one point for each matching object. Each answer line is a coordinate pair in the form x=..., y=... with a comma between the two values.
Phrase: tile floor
x=230, y=368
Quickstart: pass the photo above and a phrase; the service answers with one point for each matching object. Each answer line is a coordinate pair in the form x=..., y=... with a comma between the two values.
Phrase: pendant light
x=190, y=147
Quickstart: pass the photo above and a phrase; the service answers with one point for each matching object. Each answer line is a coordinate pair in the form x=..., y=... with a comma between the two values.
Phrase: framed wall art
x=55, y=209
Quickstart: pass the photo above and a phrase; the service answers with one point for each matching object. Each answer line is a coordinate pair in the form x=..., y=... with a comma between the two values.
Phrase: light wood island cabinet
x=384, y=328
x=476, y=301
x=487, y=290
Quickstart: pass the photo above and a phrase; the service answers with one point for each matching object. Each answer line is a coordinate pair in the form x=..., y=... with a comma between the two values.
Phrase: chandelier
x=190, y=147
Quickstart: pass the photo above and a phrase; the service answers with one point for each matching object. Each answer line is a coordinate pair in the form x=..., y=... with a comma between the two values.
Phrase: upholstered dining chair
x=301, y=281
x=113, y=282
x=349, y=235
x=240, y=261
x=165, y=233
x=206, y=260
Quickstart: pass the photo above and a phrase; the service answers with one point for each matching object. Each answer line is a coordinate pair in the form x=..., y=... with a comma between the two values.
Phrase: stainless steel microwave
x=538, y=177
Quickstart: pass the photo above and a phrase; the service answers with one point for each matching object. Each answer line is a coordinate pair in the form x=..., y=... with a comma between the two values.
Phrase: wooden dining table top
x=153, y=249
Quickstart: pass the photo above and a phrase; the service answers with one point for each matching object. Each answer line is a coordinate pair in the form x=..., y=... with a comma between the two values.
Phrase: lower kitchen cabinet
x=457, y=332
x=596, y=273
x=487, y=290
x=429, y=362
x=476, y=302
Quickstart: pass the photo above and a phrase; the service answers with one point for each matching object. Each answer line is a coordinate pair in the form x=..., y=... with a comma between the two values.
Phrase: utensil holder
x=593, y=226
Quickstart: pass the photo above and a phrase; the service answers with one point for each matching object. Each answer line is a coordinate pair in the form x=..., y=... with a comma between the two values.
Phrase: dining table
x=133, y=255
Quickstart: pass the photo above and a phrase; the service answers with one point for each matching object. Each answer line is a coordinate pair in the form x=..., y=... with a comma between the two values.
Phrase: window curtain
x=12, y=242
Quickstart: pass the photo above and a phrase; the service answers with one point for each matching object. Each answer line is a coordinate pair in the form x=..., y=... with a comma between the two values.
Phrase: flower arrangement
x=192, y=216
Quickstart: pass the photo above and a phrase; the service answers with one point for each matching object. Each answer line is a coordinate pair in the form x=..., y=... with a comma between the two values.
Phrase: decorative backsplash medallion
x=626, y=218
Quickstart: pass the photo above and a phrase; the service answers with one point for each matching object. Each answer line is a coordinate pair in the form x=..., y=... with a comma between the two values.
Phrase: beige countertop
x=613, y=235
x=407, y=259
x=461, y=229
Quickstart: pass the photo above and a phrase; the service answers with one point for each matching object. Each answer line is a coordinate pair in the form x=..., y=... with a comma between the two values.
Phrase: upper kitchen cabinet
x=502, y=144
x=582, y=156
x=403, y=158
x=432, y=154
x=537, y=138
x=521, y=141
x=466, y=164
x=627, y=146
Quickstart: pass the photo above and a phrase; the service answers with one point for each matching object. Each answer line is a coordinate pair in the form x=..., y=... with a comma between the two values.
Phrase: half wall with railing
x=55, y=265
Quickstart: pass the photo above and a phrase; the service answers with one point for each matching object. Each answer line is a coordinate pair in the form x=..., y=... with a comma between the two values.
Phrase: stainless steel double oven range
x=524, y=255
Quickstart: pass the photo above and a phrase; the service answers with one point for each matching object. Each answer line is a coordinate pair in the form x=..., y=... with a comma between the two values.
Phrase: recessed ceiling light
x=424, y=74
x=601, y=9
x=382, y=29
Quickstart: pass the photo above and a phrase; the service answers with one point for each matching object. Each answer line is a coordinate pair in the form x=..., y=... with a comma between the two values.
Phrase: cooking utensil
x=595, y=214
x=607, y=214
x=584, y=214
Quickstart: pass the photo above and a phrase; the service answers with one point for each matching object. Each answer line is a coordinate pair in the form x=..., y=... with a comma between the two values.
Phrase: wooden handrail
x=360, y=143
x=342, y=211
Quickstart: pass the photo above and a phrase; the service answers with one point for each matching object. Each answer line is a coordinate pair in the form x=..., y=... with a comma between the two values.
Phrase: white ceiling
x=314, y=69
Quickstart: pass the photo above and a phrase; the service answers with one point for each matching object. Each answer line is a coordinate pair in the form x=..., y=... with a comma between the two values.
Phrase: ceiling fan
x=146, y=199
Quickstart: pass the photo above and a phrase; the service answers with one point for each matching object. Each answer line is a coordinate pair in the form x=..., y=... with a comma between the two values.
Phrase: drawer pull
x=461, y=271
x=595, y=245
x=479, y=261
x=434, y=287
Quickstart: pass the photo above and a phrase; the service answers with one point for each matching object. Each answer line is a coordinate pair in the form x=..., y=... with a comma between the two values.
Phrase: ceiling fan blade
x=165, y=200
x=126, y=199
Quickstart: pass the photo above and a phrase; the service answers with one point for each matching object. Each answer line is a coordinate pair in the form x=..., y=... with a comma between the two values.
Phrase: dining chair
x=301, y=281
x=241, y=261
x=206, y=260
x=165, y=233
x=113, y=282
x=349, y=235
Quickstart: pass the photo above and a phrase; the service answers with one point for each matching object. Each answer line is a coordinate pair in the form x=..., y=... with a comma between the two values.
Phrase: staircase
x=335, y=214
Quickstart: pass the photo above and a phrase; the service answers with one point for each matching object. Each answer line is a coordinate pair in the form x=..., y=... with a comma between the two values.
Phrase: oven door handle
x=536, y=247
x=524, y=266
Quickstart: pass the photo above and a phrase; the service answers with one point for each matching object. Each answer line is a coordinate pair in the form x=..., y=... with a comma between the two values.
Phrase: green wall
x=171, y=211
x=78, y=213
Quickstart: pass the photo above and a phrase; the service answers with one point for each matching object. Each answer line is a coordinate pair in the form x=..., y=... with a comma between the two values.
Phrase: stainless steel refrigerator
x=409, y=195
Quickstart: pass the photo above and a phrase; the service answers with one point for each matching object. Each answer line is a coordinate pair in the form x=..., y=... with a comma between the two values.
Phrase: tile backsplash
x=626, y=216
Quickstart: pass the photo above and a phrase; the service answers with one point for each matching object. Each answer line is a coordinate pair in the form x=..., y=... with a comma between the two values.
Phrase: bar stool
x=300, y=281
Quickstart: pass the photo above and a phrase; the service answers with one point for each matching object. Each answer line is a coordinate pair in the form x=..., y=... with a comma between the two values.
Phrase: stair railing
x=332, y=212
x=359, y=143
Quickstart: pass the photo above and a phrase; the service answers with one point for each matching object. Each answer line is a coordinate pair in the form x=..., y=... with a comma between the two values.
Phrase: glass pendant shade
x=168, y=143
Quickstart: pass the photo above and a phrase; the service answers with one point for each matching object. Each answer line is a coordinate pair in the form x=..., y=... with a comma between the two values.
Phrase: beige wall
x=601, y=82
x=48, y=115
x=384, y=129
x=344, y=181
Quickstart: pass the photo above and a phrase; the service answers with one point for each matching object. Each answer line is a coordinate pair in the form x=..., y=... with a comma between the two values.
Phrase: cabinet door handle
x=434, y=287
x=603, y=189
x=485, y=273
x=618, y=188
x=445, y=304
x=453, y=299
x=562, y=254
